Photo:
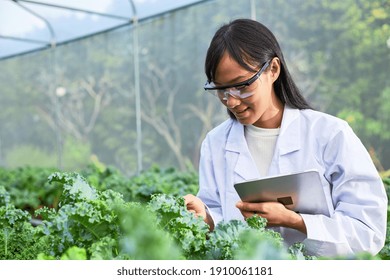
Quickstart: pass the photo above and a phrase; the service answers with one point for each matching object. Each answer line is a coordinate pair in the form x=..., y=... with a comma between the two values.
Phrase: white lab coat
x=308, y=140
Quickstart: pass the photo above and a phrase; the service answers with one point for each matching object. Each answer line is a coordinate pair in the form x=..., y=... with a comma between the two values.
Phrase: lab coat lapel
x=289, y=141
x=238, y=157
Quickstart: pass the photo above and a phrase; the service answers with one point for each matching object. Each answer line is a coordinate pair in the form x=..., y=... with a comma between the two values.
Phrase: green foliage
x=385, y=252
x=19, y=240
x=298, y=252
x=229, y=240
x=260, y=245
x=189, y=232
x=84, y=215
x=28, y=187
x=142, y=238
x=257, y=222
x=75, y=156
x=17, y=157
x=99, y=224
x=72, y=253
x=168, y=181
x=108, y=178
x=225, y=240
x=94, y=224
x=237, y=240
x=141, y=188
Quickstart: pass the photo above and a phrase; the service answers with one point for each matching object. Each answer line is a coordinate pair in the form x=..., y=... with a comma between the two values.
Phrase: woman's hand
x=275, y=213
x=196, y=206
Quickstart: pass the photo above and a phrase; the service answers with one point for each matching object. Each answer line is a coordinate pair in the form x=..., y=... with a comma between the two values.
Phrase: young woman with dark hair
x=274, y=131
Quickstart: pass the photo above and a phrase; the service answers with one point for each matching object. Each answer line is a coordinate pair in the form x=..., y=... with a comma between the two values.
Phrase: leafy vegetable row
x=100, y=214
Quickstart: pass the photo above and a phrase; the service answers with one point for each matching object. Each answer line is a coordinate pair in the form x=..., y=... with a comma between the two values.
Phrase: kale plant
x=19, y=240
x=189, y=231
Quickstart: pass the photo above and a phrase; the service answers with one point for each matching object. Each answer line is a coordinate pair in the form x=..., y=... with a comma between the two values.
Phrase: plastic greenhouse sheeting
x=29, y=25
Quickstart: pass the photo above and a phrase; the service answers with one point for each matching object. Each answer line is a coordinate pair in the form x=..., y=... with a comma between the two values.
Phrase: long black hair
x=250, y=43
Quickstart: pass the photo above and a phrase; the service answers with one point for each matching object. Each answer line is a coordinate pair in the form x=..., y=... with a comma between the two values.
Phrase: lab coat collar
x=289, y=140
x=238, y=155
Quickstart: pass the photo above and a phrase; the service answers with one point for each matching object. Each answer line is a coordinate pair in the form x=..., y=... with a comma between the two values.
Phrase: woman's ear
x=275, y=68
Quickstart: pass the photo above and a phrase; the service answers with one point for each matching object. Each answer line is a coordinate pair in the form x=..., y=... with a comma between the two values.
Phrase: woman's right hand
x=195, y=205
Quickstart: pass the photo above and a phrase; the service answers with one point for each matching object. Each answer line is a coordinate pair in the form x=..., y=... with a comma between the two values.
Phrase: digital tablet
x=301, y=192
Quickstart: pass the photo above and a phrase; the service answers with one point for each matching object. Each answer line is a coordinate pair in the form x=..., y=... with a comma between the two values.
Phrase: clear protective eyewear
x=238, y=90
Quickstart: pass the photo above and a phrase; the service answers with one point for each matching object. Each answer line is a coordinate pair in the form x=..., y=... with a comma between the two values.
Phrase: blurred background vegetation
x=75, y=104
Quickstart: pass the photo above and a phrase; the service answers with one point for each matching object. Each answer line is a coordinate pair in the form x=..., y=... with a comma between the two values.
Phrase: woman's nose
x=231, y=102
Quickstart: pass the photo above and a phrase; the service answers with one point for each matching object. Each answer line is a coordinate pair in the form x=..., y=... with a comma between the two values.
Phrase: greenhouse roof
x=27, y=26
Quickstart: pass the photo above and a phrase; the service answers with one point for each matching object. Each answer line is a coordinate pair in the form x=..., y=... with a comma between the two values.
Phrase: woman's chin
x=244, y=119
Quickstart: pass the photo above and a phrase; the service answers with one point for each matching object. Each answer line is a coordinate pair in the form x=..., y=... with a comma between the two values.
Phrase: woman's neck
x=272, y=118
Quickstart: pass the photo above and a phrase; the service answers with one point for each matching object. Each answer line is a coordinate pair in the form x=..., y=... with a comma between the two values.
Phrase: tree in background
x=343, y=50
x=339, y=52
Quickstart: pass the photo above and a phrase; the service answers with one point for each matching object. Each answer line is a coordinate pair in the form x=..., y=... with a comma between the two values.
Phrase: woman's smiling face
x=263, y=108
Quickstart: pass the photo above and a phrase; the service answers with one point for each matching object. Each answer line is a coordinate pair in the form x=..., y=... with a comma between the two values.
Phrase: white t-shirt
x=261, y=144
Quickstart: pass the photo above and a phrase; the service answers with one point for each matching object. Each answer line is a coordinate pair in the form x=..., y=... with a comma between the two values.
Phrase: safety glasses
x=238, y=90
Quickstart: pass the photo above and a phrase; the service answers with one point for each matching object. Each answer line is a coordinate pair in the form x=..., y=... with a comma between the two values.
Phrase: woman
x=272, y=130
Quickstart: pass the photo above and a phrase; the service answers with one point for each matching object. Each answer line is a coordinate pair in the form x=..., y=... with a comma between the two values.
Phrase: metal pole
x=48, y=25
x=253, y=9
x=59, y=137
x=1, y=153
x=73, y=9
x=137, y=88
